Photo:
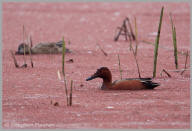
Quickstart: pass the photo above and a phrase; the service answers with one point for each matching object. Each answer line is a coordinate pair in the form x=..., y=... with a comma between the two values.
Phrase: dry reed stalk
x=63, y=71
x=24, y=57
x=29, y=50
x=102, y=50
x=165, y=73
x=135, y=57
x=58, y=75
x=131, y=30
x=123, y=30
x=70, y=97
x=14, y=59
x=187, y=55
x=117, y=36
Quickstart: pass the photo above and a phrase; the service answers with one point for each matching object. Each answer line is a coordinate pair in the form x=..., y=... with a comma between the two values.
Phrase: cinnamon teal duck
x=125, y=84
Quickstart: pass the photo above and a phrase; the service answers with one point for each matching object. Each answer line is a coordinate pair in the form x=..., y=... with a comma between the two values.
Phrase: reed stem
x=174, y=41
x=24, y=57
x=131, y=30
x=63, y=71
x=29, y=49
x=157, y=43
x=135, y=57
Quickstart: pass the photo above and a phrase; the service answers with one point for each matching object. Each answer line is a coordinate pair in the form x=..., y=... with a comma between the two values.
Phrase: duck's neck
x=107, y=82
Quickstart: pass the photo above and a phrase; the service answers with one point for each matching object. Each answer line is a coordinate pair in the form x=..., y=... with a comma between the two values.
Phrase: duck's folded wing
x=141, y=79
x=134, y=84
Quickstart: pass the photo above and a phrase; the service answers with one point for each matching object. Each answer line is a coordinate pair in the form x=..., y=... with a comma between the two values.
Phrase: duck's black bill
x=91, y=78
x=19, y=53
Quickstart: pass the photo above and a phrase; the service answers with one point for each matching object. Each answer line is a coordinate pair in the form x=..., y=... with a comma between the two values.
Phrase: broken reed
x=70, y=97
x=63, y=71
x=165, y=73
x=174, y=41
x=120, y=71
x=131, y=37
x=127, y=32
x=157, y=44
x=14, y=59
x=187, y=55
x=123, y=30
x=130, y=27
x=102, y=49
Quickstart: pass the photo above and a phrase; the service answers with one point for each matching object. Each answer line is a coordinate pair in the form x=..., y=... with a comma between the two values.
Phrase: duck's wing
x=142, y=79
x=147, y=82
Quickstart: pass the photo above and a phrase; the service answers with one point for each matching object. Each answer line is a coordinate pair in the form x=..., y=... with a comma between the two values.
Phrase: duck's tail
x=149, y=84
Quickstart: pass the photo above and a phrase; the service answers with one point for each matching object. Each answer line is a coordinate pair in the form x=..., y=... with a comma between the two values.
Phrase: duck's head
x=103, y=73
x=21, y=48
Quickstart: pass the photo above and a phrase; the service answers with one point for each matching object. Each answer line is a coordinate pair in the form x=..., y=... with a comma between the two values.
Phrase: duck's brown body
x=42, y=48
x=126, y=84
